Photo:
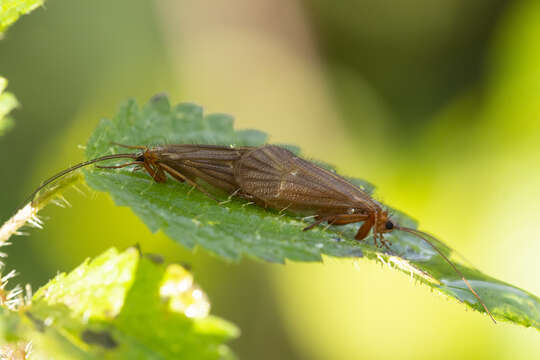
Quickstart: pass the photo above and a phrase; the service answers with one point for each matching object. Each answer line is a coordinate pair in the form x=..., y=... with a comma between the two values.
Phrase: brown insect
x=272, y=177
x=278, y=179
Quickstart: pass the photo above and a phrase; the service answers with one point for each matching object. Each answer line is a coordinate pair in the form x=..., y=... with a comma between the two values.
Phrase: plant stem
x=28, y=214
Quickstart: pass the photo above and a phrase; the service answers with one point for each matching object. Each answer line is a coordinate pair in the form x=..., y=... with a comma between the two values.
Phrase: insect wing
x=212, y=164
x=281, y=180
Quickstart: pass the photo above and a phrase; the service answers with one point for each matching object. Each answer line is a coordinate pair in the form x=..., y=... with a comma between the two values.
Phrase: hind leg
x=337, y=220
x=178, y=176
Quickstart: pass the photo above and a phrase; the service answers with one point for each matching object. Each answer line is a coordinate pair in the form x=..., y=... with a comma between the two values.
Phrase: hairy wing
x=210, y=163
x=282, y=180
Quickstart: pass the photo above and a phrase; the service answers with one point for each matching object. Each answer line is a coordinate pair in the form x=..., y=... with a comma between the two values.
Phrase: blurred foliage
x=232, y=229
x=7, y=103
x=11, y=10
x=117, y=306
x=415, y=55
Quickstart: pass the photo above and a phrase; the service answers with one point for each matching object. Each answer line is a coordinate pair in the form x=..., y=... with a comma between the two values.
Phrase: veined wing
x=202, y=152
x=282, y=180
x=210, y=163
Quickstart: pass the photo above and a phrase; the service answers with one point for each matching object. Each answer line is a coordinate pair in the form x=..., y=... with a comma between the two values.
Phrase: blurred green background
x=436, y=102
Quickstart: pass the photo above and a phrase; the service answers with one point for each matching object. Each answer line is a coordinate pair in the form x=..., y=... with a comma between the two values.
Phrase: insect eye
x=389, y=225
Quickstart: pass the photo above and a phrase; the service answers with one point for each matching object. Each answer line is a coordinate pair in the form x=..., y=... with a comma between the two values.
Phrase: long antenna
x=423, y=236
x=75, y=167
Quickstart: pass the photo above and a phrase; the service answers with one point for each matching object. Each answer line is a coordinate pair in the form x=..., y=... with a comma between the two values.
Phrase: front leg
x=156, y=174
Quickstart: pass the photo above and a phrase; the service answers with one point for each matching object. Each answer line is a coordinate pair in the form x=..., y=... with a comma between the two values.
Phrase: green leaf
x=8, y=102
x=120, y=306
x=11, y=10
x=235, y=228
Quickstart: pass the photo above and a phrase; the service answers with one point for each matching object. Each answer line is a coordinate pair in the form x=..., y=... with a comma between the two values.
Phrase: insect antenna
x=422, y=235
x=134, y=156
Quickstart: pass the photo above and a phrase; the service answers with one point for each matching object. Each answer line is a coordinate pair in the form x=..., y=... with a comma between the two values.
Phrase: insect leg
x=365, y=228
x=318, y=220
x=158, y=176
x=178, y=176
x=384, y=242
x=337, y=220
